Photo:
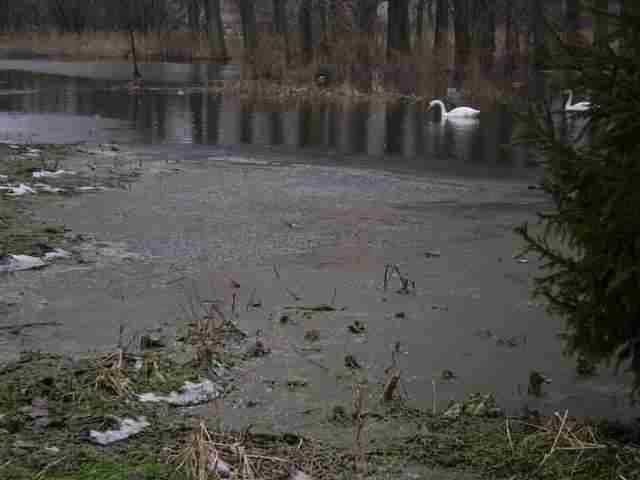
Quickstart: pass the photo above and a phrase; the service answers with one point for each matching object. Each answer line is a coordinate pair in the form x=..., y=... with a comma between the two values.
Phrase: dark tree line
x=473, y=24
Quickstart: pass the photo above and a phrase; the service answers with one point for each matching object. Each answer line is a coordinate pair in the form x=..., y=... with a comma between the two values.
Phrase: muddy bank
x=89, y=418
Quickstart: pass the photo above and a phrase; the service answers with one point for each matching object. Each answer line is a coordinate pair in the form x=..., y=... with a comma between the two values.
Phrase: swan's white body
x=460, y=113
x=575, y=107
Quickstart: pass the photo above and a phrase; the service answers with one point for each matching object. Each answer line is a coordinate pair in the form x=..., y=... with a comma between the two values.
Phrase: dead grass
x=279, y=71
x=360, y=417
x=206, y=336
x=362, y=71
x=562, y=434
x=250, y=456
x=112, y=373
x=113, y=45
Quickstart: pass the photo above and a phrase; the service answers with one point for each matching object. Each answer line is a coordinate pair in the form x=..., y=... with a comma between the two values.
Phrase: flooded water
x=177, y=109
x=278, y=187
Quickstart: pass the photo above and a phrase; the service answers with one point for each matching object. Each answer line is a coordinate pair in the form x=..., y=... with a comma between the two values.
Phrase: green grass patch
x=19, y=164
x=118, y=471
x=49, y=403
x=51, y=444
x=485, y=446
x=20, y=233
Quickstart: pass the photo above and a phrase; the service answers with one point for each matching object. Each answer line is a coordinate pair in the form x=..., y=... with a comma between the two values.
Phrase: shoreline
x=43, y=435
x=402, y=437
x=420, y=76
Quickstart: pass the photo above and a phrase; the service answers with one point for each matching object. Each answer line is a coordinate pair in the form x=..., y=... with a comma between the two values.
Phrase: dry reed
x=207, y=337
x=246, y=456
x=560, y=433
x=112, y=373
x=360, y=416
x=281, y=72
x=113, y=45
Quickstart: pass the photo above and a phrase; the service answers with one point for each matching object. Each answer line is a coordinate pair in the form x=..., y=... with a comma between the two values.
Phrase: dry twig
x=360, y=415
x=112, y=373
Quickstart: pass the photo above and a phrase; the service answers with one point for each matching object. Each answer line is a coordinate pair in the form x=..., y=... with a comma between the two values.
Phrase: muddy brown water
x=329, y=197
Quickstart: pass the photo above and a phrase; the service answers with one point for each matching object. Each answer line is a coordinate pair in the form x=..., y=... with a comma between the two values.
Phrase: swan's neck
x=569, y=100
x=440, y=104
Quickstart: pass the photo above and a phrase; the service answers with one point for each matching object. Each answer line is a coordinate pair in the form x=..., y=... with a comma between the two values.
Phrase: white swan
x=575, y=107
x=457, y=113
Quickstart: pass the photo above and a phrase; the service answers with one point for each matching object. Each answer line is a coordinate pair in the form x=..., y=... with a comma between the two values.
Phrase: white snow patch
x=55, y=254
x=219, y=466
x=43, y=187
x=49, y=174
x=127, y=428
x=16, y=263
x=89, y=188
x=191, y=394
x=299, y=475
x=18, y=191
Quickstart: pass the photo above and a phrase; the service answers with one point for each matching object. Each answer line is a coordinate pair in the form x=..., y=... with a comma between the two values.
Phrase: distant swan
x=575, y=107
x=456, y=113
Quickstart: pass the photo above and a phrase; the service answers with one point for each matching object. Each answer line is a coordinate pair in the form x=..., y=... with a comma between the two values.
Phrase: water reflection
x=399, y=134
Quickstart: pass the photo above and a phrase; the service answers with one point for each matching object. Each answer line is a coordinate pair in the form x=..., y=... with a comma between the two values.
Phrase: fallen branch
x=315, y=308
x=293, y=295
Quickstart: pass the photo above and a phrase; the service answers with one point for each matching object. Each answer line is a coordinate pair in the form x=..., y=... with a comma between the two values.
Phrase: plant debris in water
x=357, y=327
x=407, y=286
x=312, y=335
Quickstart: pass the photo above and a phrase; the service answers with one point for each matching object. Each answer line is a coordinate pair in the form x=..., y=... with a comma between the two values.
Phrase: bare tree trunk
x=601, y=29
x=322, y=11
x=571, y=19
x=280, y=16
x=194, y=15
x=134, y=58
x=306, y=29
x=420, y=8
x=442, y=23
x=536, y=33
x=398, y=31
x=509, y=47
x=249, y=28
x=462, y=34
x=215, y=28
x=280, y=25
x=537, y=47
x=364, y=14
x=487, y=34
